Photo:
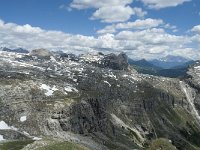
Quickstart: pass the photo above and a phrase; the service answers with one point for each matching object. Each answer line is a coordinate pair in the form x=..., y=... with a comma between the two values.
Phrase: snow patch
x=23, y=118
x=52, y=59
x=125, y=75
x=111, y=75
x=75, y=80
x=1, y=138
x=197, y=67
x=49, y=90
x=70, y=88
x=92, y=58
x=36, y=138
x=4, y=126
x=107, y=83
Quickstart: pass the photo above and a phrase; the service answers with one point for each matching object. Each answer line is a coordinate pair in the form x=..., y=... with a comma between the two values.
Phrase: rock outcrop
x=41, y=53
x=115, y=62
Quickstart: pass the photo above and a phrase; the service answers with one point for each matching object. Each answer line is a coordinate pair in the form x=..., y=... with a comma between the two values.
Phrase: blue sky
x=47, y=14
x=86, y=20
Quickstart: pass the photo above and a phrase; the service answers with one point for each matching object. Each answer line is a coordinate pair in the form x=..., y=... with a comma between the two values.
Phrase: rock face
x=193, y=79
x=41, y=53
x=96, y=100
x=112, y=61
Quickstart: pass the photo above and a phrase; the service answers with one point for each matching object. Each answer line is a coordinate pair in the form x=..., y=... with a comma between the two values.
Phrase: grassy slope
x=50, y=145
x=63, y=146
x=15, y=145
x=161, y=143
x=177, y=125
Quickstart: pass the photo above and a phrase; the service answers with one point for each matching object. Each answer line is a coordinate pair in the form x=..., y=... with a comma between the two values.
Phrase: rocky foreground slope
x=97, y=101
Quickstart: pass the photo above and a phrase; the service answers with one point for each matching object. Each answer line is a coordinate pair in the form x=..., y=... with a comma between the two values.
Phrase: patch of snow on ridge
x=36, y=138
x=4, y=126
x=197, y=67
x=23, y=118
x=52, y=59
x=92, y=57
x=107, y=83
x=70, y=88
x=49, y=90
x=1, y=138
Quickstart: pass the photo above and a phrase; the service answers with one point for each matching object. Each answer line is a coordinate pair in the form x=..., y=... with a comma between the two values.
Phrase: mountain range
x=169, y=61
x=94, y=102
x=17, y=50
x=169, y=66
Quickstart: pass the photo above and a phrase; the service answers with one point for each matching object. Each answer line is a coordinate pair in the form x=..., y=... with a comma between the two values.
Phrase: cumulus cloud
x=109, y=11
x=154, y=42
x=196, y=29
x=139, y=12
x=84, y=4
x=26, y=36
x=113, y=14
x=138, y=24
x=146, y=43
x=158, y=4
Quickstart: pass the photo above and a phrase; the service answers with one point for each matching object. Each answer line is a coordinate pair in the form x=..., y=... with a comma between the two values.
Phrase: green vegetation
x=162, y=144
x=146, y=67
x=172, y=73
x=63, y=146
x=180, y=126
x=191, y=133
x=15, y=145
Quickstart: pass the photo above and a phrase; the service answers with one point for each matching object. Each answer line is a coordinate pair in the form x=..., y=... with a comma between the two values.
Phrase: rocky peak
x=41, y=53
x=112, y=61
x=116, y=62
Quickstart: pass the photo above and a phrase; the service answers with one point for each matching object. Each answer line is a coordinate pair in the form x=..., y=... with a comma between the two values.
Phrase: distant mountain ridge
x=170, y=66
x=169, y=61
x=17, y=50
x=143, y=66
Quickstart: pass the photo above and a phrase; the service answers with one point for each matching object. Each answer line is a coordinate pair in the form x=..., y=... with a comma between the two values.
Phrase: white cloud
x=109, y=11
x=146, y=43
x=139, y=12
x=13, y=35
x=155, y=36
x=196, y=29
x=107, y=29
x=65, y=7
x=157, y=4
x=84, y=4
x=138, y=24
x=190, y=53
x=169, y=26
x=155, y=43
x=113, y=14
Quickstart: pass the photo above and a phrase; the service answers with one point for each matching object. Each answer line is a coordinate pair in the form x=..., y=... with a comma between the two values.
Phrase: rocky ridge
x=97, y=100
